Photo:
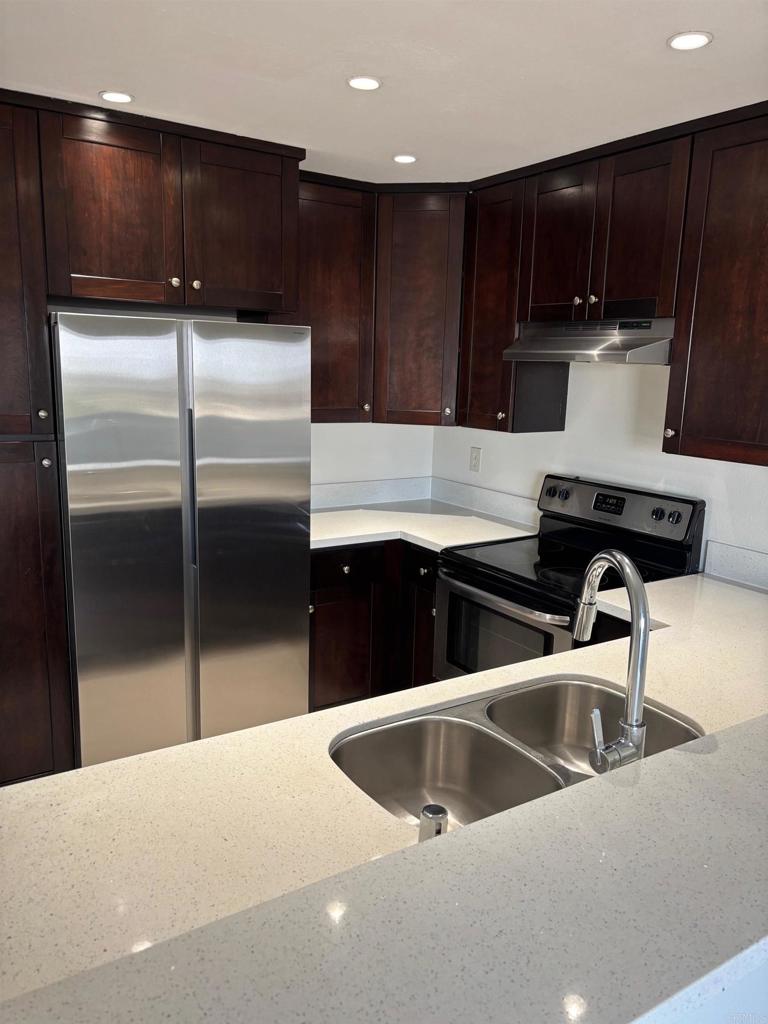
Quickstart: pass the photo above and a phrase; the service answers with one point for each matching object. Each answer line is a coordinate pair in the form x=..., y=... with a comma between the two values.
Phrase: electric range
x=513, y=600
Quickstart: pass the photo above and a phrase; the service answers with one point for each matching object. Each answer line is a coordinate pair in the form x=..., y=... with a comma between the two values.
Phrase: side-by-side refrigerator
x=186, y=445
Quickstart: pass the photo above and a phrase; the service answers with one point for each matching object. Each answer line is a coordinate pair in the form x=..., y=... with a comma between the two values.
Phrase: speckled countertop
x=426, y=522
x=101, y=863
x=555, y=911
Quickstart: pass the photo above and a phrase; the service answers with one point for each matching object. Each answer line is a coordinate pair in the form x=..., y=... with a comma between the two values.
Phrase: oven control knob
x=658, y=513
x=675, y=518
x=551, y=491
x=564, y=494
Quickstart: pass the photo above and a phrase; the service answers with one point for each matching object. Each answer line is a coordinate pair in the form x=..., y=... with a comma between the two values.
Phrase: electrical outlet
x=475, y=455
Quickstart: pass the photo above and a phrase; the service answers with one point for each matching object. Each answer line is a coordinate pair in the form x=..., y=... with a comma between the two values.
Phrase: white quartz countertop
x=100, y=863
x=555, y=911
x=428, y=523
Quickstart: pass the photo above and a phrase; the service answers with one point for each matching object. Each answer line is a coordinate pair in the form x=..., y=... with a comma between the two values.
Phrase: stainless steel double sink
x=490, y=754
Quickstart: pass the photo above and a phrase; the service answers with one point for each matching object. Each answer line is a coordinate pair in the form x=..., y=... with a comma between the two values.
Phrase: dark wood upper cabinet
x=418, y=304
x=558, y=222
x=25, y=378
x=719, y=376
x=638, y=231
x=494, y=221
x=240, y=227
x=35, y=696
x=113, y=220
x=336, y=286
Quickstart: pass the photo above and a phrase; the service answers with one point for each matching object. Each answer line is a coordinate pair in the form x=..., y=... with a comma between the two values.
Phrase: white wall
x=344, y=452
x=613, y=432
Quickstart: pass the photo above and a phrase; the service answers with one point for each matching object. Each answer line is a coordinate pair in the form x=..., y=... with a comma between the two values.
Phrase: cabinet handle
x=592, y=300
x=423, y=571
x=447, y=410
x=42, y=414
x=46, y=463
x=311, y=609
x=366, y=406
x=175, y=281
x=577, y=301
x=501, y=416
x=346, y=569
x=197, y=285
x=669, y=432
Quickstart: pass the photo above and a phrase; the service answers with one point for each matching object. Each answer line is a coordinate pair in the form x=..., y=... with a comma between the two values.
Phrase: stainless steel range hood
x=596, y=341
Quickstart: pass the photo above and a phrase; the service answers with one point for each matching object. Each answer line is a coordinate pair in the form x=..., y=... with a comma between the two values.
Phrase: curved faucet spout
x=630, y=745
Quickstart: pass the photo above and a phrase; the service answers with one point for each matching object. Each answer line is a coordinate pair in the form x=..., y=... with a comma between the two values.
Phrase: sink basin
x=442, y=760
x=553, y=719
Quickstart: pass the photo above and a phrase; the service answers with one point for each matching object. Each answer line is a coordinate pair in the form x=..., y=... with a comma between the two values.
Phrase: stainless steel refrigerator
x=186, y=492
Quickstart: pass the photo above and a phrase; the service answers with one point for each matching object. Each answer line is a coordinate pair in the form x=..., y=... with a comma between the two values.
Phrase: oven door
x=475, y=630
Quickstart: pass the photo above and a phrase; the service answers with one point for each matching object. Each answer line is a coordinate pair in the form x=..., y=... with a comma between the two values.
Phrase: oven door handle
x=498, y=604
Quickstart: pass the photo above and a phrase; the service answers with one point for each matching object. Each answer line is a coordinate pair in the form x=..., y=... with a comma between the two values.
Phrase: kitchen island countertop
x=101, y=863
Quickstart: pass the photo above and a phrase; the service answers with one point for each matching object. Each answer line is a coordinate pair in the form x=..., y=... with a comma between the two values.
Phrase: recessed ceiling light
x=404, y=158
x=112, y=96
x=689, y=40
x=364, y=82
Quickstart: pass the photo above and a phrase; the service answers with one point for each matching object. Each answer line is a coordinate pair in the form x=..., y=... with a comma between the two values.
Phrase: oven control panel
x=659, y=515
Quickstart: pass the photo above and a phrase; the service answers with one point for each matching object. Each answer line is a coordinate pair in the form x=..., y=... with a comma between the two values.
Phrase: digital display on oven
x=613, y=503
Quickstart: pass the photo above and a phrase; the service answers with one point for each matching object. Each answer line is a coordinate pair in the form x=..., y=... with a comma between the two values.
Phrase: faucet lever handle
x=597, y=729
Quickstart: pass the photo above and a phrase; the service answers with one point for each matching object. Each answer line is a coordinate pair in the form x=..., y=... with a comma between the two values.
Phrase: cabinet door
x=25, y=380
x=418, y=626
x=113, y=222
x=241, y=227
x=558, y=219
x=490, y=305
x=638, y=231
x=336, y=265
x=418, y=302
x=341, y=624
x=719, y=377
x=35, y=696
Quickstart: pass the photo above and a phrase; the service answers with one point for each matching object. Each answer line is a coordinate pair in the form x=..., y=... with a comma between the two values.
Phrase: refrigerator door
x=251, y=439
x=119, y=417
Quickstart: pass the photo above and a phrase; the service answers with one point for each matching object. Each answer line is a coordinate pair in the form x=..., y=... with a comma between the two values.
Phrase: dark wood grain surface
x=336, y=290
x=25, y=375
x=418, y=302
x=718, y=396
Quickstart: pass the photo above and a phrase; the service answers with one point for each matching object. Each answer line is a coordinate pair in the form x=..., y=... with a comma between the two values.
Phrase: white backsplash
x=613, y=432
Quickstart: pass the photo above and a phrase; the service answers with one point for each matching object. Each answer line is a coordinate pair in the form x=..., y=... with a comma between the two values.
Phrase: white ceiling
x=472, y=87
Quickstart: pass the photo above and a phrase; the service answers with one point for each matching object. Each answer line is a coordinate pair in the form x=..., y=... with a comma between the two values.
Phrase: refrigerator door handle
x=193, y=549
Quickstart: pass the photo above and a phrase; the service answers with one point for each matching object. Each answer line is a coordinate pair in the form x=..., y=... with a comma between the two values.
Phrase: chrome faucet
x=630, y=745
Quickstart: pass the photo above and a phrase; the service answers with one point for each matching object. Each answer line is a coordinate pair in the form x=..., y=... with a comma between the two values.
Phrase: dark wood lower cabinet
x=372, y=624
x=36, y=732
x=417, y=622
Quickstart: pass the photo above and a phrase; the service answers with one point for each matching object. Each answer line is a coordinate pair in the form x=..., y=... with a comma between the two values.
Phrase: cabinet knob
x=175, y=281
x=42, y=414
x=346, y=569
x=669, y=432
x=577, y=300
x=592, y=299
x=447, y=410
x=311, y=609
x=46, y=463
x=423, y=571
x=197, y=285
x=501, y=416
x=366, y=406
